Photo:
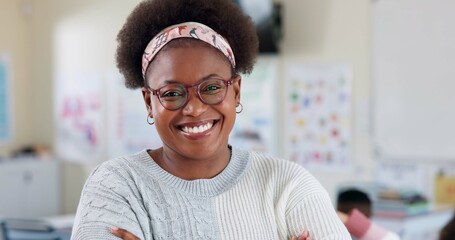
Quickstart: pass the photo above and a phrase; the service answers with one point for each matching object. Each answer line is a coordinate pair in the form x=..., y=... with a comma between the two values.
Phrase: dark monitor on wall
x=266, y=16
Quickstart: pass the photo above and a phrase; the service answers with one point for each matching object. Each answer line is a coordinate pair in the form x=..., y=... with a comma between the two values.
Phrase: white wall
x=315, y=32
x=15, y=41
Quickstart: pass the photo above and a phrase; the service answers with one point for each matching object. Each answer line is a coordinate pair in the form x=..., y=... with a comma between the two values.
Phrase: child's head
x=349, y=199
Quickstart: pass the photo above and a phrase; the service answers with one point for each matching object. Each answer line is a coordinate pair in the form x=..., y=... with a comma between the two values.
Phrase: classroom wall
x=72, y=36
x=15, y=32
x=332, y=31
x=323, y=31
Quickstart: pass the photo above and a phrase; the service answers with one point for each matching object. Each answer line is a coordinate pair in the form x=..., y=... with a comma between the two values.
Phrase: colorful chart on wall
x=318, y=115
x=5, y=102
x=128, y=131
x=79, y=117
x=255, y=127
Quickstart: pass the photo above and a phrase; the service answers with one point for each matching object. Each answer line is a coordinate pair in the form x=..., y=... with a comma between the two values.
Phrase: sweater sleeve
x=363, y=229
x=105, y=202
x=309, y=207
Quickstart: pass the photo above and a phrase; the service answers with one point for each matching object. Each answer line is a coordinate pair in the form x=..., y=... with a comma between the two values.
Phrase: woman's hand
x=304, y=236
x=123, y=234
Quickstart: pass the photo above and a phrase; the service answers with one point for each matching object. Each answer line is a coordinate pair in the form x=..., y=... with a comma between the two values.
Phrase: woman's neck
x=191, y=168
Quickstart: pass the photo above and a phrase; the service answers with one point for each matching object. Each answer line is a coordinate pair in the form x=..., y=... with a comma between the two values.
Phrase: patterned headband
x=186, y=30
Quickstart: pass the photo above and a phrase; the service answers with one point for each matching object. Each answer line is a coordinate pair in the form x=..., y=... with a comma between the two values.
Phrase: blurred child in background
x=354, y=208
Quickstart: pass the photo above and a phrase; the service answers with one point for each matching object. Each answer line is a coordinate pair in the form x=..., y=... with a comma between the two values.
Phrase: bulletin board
x=318, y=115
x=414, y=79
x=78, y=112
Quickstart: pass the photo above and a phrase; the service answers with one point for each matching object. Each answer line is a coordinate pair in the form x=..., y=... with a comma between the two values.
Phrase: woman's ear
x=237, y=86
x=146, y=95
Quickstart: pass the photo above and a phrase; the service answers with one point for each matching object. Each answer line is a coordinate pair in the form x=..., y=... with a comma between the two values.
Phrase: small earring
x=241, y=108
x=150, y=122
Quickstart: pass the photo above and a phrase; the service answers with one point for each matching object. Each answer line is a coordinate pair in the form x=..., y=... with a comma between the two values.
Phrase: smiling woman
x=186, y=57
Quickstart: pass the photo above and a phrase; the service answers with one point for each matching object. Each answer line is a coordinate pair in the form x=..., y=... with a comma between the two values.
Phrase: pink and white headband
x=186, y=30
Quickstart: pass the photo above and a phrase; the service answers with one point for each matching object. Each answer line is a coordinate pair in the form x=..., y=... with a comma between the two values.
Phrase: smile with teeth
x=198, y=129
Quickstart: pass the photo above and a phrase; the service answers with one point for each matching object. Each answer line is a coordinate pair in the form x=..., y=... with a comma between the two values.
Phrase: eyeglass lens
x=175, y=96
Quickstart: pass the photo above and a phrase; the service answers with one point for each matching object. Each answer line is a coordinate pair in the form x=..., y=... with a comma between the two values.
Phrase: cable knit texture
x=254, y=197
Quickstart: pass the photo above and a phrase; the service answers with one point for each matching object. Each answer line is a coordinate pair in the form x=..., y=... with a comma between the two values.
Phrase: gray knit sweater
x=254, y=197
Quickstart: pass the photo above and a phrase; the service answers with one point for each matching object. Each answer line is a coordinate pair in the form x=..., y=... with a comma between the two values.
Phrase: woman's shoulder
x=274, y=163
x=123, y=161
x=120, y=167
x=284, y=173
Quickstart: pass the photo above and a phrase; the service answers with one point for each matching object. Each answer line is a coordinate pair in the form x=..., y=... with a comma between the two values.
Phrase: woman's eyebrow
x=172, y=81
x=210, y=76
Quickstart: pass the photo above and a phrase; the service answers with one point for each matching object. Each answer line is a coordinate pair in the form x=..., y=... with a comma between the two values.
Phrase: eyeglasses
x=210, y=91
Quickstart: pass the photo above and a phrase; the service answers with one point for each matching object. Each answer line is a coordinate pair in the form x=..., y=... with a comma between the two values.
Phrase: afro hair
x=151, y=16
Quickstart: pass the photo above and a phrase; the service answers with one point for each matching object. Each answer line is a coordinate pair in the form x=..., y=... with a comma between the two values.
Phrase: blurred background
x=359, y=92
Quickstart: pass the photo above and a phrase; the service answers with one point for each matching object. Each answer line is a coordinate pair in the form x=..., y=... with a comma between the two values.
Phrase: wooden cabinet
x=29, y=188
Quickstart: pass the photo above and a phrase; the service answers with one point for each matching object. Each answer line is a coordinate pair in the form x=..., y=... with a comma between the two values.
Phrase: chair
x=22, y=229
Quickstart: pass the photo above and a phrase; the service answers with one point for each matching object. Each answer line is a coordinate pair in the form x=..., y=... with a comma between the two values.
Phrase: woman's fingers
x=123, y=234
x=305, y=235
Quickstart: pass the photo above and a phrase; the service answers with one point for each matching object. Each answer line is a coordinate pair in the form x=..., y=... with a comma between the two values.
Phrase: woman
x=186, y=56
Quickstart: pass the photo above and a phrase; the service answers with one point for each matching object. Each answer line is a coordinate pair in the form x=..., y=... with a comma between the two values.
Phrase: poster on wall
x=318, y=115
x=5, y=100
x=255, y=127
x=79, y=116
x=127, y=130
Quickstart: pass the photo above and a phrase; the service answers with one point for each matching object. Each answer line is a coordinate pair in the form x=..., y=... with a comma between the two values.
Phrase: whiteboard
x=414, y=78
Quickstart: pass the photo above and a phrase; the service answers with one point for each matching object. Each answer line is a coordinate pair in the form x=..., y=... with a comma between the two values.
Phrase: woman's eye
x=212, y=88
x=170, y=94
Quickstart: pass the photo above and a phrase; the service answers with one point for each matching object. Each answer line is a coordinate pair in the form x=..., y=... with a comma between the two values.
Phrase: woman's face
x=196, y=130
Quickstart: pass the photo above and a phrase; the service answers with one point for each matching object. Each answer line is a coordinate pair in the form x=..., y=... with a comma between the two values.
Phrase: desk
x=423, y=226
x=61, y=226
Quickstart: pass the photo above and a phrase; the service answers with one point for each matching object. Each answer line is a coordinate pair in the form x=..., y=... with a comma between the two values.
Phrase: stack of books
x=399, y=203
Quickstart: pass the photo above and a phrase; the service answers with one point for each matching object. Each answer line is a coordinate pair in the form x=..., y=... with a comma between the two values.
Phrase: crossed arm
x=125, y=235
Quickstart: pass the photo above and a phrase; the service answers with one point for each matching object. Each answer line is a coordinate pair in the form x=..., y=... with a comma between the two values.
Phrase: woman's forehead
x=188, y=63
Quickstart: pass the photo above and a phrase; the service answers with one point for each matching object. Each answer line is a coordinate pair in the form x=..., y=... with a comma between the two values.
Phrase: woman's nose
x=194, y=107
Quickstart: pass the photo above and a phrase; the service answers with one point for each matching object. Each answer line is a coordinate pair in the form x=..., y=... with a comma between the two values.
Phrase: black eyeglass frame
x=195, y=86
